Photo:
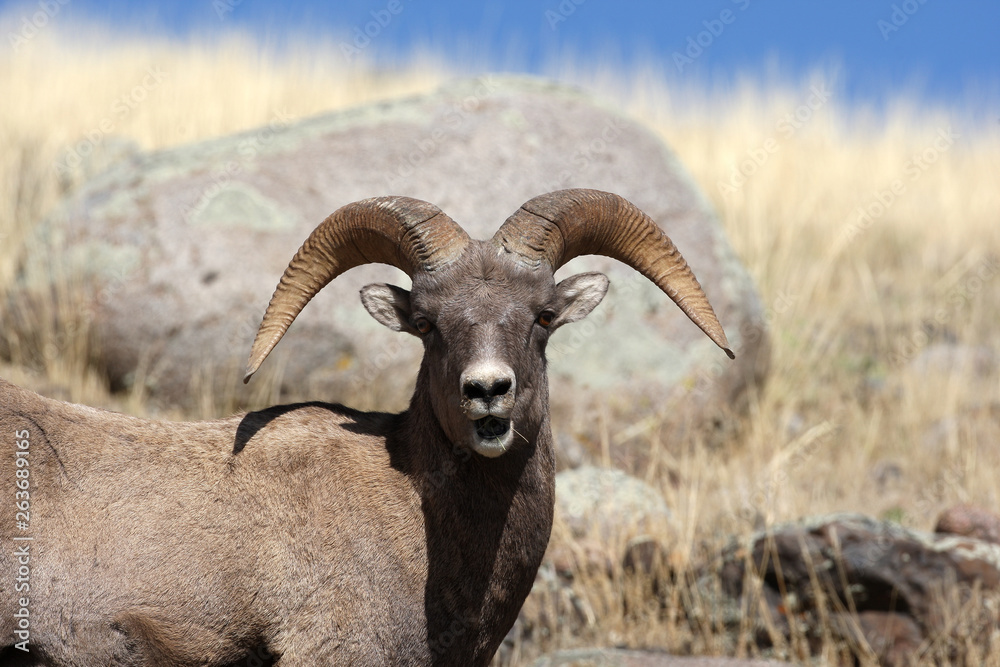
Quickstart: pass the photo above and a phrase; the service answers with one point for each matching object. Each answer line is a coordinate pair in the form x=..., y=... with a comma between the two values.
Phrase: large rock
x=176, y=252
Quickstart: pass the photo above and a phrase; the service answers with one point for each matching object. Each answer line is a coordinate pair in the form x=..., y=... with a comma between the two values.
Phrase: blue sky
x=948, y=52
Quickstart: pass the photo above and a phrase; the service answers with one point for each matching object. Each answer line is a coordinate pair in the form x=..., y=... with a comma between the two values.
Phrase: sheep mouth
x=492, y=428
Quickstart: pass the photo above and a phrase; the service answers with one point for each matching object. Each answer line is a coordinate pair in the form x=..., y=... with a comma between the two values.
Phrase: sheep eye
x=545, y=318
x=423, y=325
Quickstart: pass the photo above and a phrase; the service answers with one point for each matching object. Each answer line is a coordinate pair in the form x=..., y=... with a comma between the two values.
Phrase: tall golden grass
x=862, y=411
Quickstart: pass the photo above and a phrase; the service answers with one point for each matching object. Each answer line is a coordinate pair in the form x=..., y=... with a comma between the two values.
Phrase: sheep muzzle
x=488, y=395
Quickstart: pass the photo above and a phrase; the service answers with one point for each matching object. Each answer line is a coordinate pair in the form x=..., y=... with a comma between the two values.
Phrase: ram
x=313, y=534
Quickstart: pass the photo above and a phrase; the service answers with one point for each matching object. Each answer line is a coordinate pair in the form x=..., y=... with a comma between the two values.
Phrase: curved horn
x=409, y=234
x=558, y=226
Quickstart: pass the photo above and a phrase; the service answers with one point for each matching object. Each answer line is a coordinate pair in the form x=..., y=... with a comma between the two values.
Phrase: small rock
x=969, y=521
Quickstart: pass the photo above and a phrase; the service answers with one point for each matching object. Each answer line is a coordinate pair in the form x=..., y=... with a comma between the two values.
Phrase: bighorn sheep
x=314, y=534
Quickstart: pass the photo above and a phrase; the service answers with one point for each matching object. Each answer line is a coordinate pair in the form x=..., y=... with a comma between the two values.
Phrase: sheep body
x=280, y=536
x=313, y=534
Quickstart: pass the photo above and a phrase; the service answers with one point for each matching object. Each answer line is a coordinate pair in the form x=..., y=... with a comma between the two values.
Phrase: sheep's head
x=484, y=321
x=484, y=309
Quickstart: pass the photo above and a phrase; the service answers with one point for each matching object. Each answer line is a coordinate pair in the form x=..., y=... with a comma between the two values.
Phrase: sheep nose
x=479, y=389
x=488, y=380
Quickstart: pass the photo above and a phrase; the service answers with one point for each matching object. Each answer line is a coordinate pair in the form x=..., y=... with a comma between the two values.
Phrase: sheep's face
x=484, y=321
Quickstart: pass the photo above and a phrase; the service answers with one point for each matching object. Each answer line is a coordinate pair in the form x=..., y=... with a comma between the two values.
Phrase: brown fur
x=306, y=534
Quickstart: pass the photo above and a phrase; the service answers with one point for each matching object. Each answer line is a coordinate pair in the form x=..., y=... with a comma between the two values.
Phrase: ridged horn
x=561, y=225
x=409, y=234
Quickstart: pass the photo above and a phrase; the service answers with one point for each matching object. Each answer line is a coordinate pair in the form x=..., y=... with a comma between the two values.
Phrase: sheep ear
x=578, y=295
x=389, y=305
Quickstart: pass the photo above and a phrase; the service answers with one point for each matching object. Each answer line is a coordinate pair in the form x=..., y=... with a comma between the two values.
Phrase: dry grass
x=847, y=421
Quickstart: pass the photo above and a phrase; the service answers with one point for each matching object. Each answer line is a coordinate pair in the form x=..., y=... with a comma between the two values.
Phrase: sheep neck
x=487, y=526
